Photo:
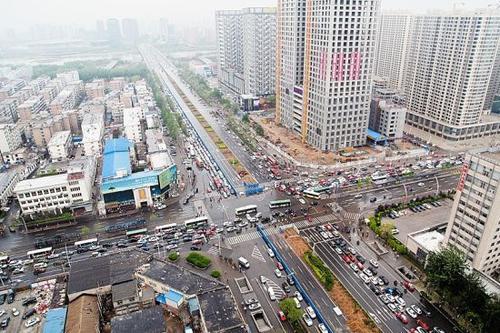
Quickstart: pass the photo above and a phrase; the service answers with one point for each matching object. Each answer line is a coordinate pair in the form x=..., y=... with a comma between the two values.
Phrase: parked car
x=28, y=301
x=402, y=317
x=32, y=322
x=5, y=322
x=307, y=319
x=11, y=296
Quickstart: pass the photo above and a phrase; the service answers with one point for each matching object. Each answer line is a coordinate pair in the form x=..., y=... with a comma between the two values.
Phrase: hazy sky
x=24, y=13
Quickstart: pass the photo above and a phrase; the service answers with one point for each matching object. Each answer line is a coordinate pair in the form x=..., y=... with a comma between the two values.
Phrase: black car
x=2, y=299
x=195, y=248
x=314, y=203
x=360, y=258
x=29, y=313
x=11, y=296
x=286, y=287
x=5, y=322
x=108, y=245
x=384, y=279
x=29, y=300
x=375, y=289
x=121, y=245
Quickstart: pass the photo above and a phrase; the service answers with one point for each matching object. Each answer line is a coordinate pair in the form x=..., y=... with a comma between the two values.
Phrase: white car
x=390, y=298
x=277, y=272
x=2, y=312
x=421, y=184
x=368, y=272
x=364, y=277
x=354, y=267
x=392, y=307
x=270, y=252
x=263, y=279
x=400, y=300
x=374, y=263
x=411, y=313
x=28, y=262
x=311, y=312
x=15, y=312
x=302, y=201
x=324, y=235
x=307, y=319
x=322, y=328
x=299, y=296
x=32, y=322
x=415, y=308
x=338, y=250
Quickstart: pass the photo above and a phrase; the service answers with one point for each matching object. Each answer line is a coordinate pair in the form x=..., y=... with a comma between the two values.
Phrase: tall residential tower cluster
x=325, y=56
x=246, y=49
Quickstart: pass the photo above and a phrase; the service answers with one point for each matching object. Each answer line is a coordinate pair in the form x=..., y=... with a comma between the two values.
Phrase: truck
x=276, y=173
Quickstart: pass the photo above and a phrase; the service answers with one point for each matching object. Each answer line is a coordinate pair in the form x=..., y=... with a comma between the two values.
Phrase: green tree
x=291, y=312
x=445, y=270
x=84, y=231
x=259, y=130
x=386, y=230
x=245, y=118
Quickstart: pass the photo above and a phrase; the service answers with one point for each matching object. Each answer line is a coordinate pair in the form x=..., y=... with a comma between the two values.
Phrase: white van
x=270, y=291
x=40, y=265
x=243, y=262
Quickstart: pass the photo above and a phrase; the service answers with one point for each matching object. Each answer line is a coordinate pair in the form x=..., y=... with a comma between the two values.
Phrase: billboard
x=129, y=183
x=167, y=176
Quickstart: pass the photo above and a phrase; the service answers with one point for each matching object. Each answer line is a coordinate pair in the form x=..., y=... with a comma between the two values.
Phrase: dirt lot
x=302, y=152
x=357, y=320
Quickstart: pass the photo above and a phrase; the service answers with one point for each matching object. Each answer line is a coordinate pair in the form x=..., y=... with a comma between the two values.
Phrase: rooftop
x=104, y=271
x=6, y=179
x=124, y=290
x=83, y=315
x=54, y=321
x=180, y=279
x=151, y=320
x=430, y=241
x=59, y=138
x=219, y=310
x=116, y=158
x=492, y=153
x=131, y=116
x=41, y=182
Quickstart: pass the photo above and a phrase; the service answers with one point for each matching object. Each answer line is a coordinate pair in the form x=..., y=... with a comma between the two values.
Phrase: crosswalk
x=213, y=250
x=351, y=216
x=248, y=236
x=257, y=254
x=315, y=221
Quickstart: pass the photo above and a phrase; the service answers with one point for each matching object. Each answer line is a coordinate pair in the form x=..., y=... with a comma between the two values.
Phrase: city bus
x=250, y=209
x=40, y=253
x=378, y=177
x=166, y=228
x=280, y=203
x=321, y=189
x=136, y=233
x=311, y=194
x=86, y=243
x=197, y=222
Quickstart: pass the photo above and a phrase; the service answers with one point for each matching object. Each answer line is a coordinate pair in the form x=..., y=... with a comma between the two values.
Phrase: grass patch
x=322, y=272
x=173, y=256
x=215, y=274
x=198, y=260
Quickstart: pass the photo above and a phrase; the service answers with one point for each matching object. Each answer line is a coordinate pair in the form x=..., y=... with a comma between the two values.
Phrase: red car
x=409, y=286
x=360, y=265
x=423, y=324
x=281, y=315
x=329, y=227
x=402, y=317
x=279, y=265
x=346, y=259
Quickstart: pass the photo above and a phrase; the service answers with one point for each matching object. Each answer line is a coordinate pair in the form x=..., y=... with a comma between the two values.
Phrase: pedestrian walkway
x=257, y=254
x=213, y=250
x=351, y=216
x=315, y=221
x=248, y=236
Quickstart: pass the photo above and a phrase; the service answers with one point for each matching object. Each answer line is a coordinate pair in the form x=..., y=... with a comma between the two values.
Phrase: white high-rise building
x=448, y=70
x=474, y=225
x=339, y=47
x=10, y=138
x=393, y=37
x=132, y=123
x=92, y=133
x=246, y=49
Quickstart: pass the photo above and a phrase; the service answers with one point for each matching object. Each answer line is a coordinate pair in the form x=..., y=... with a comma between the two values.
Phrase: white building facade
x=132, y=123
x=92, y=133
x=59, y=146
x=474, y=225
x=10, y=138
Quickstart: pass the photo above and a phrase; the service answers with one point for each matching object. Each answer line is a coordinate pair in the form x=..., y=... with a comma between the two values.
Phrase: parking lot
x=16, y=322
x=410, y=222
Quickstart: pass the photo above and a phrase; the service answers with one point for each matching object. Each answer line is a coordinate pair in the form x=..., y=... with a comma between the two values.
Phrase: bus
x=250, y=209
x=197, y=222
x=86, y=243
x=136, y=233
x=280, y=203
x=378, y=177
x=322, y=189
x=166, y=228
x=311, y=194
x=4, y=260
x=40, y=253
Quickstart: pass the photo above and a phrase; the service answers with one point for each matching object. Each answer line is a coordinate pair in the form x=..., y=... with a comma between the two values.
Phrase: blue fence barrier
x=291, y=273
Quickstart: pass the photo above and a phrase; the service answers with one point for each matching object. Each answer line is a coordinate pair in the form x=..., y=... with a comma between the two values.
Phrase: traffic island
x=243, y=285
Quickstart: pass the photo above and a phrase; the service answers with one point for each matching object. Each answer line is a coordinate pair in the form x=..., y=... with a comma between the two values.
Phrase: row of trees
x=461, y=289
x=89, y=70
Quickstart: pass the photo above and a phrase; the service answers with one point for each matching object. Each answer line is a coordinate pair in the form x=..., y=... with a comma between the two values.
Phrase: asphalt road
x=385, y=319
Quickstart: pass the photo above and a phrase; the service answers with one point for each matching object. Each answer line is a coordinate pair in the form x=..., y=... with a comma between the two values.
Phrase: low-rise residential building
x=60, y=145
x=65, y=100
x=387, y=117
x=95, y=89
x=10, y=138
x=31, y=107
x=158, y=151
x=65, y=186
x=117, y=84
x=8, y=181
x=132, y=125
x=16, y=156
x=92, y=131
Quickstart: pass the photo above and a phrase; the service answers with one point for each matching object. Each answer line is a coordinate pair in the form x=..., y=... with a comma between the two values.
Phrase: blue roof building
x=116, y=158
x=55, y=321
